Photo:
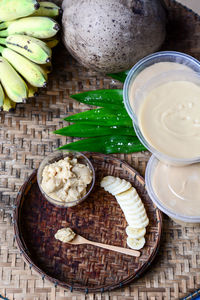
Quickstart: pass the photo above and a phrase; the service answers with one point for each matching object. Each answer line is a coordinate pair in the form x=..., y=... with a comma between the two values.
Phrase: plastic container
x=56, y=156
x=178, y=218
x=165, y=56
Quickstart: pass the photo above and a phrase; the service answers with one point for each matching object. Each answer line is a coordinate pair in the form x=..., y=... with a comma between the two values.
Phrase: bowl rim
x=160, y=155
x=66, y=203
x=148, y=180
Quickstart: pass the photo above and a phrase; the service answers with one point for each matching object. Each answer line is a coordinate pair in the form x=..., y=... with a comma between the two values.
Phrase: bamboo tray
x=99, y=218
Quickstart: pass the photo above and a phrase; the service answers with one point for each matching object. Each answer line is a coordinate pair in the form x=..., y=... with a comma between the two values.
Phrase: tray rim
x=24, y=252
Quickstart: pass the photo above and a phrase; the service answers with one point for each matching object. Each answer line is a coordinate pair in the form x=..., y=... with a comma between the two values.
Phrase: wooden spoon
x=79, y=240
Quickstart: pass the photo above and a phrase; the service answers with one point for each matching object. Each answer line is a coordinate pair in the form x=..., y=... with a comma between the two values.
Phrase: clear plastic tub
x=56, y=156
x=178, y=218
x=142, y=87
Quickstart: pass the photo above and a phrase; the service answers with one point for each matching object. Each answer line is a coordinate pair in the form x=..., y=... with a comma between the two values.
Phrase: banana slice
x=107, y=180
x=130, y=193
x=120, y=188
x=111, y=188
x=129, y=205
x=128, y=202
x=136, y=220
x=137, y=211
x=138, y=224
x=135, y=233
x=127, y=198
x=115, y=185
x=142, y=216
x=135, y=244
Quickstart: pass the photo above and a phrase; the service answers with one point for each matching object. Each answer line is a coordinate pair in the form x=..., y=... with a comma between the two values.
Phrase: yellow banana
x=32, y=91
x=8, y=104
x=32, y=48
x=48, y=9
x=38, y=27
x=1, y=97
x=51, y=43
x=12, y=82
x=32, y=72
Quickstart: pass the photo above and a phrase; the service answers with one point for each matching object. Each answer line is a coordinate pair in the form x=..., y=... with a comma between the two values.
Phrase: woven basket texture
x=26, y=137
x=99, y=218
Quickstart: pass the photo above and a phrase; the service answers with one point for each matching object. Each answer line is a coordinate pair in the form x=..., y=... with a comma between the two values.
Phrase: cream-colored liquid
x=169, y=116
x=152, y=71
x=170, y=119
x=178, y=188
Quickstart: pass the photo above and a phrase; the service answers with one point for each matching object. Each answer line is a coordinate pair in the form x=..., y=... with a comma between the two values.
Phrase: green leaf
x=112, y=98
x=102, y=116
x=86, y=130
x=119, y=76
x=107, y=145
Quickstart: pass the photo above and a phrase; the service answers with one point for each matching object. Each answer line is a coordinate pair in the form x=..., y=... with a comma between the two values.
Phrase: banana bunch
x=27, y=36
x=132, y=207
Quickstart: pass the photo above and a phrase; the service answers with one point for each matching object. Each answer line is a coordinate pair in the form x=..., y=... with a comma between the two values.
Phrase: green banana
x=12, y=83
x=4, y=25
x=1, y=97
x=14, y=9
x=44, y=72
x=32, y=48
x=8, y=104
x=48, y=9
x=32, y=72
x=38, y=27
x=32, y=91
x=51, y=43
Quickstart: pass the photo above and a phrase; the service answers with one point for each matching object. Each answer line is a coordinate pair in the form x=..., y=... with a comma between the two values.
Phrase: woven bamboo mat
x=26, y=137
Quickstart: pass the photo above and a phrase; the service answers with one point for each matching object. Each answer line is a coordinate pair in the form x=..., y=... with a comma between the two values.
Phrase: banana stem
x=2, y=41
x=4, y=33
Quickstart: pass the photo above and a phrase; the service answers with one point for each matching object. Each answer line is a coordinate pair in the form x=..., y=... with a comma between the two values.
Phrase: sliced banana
x=138, y=224
x=133, y=208
x=136, y=220
x=115, y=185
x=128, y=202
x=130, y=205
x=135, y=244
x=136, y=211
x=120, y=188
x=135, y=233
x=140, y=216
x=106, y=181
x=131, y=193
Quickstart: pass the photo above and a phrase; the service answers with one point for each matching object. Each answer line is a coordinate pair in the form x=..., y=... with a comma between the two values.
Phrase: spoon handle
x=116, y=249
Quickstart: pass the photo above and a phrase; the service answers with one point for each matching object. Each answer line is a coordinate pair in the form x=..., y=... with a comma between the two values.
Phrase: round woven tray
x=99, y=218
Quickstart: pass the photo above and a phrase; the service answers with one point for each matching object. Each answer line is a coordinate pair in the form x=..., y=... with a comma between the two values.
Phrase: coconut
x=111, y=36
